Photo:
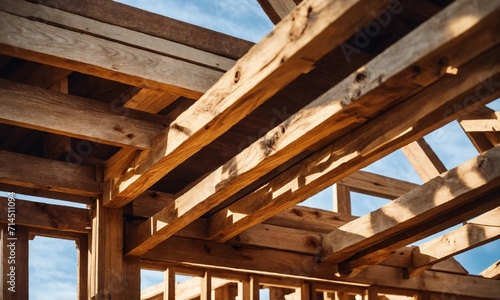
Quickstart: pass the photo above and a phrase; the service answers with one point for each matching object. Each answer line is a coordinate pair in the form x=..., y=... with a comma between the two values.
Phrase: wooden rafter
x=377, y=185
x=289, y=139
x=253, y=80
x=346, y=155
x=477, y=232
x=450, y=190
x=485, y=136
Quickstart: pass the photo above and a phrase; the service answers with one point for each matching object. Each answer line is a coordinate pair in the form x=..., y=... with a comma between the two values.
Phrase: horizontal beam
x=45, y=193
x=423, y=159
x=77, y=22
x=153, y=24
x=58, y=113
x=45, y=216
x=45, y=174
x=43, y=43
x=452, y=189
x=377, y=185
x=289, y=51
x=474, y=233
x=480, y=125
x=347, y=154
x=235, y=259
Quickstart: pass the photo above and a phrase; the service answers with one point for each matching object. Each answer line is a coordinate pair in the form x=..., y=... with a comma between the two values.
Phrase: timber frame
x=190, y=150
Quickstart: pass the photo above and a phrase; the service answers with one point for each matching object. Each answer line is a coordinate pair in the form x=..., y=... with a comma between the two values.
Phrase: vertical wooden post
x=111, y=276
x=82, y=248
x=169, y=281
x=206, y=286
x=341, y=199
x=372, y=292
x=249, y=290
x=14, y=269
x=308, y=291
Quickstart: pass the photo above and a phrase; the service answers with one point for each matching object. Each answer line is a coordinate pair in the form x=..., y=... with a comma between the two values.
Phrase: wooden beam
x=423, y=159
x=206, y=286
x=480, y=140
x=103, y=58
x=492, y=271
x=14, y=245
x=45, y=193
x=451, y=189
x=481, y=125
x=290, y=50
x=377, y=185
x=475, y=233
x=346, y=155
x=276, y=10
x=295, y=134
x=82, y=249
x=152, y=24
x=437, y=282
x=47, y=216
x=74, y=116
x=34, y=172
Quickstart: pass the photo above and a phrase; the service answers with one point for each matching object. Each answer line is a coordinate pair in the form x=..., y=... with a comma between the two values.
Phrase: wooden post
x=111, y=276
x=82, y=249
x=341, y=199
x=206, y=286
x=14, y=244
x=169, y=280
x=249, y=290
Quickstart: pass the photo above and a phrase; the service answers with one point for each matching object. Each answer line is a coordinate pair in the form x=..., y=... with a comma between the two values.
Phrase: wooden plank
x=377, y=185
x=191, y=251
x=14, y=262
x=295, y=134
x=475, y=233
x=481, y=125
x=478, y=139
x=290, y=50
x=206, y=286
x=492, y=271
x=341, y=199
x=347, y=155
x=451, y=189
x=47, y=216
x=45, y=193
x=34, y=172
x=55, y=46
x=119, y=34
x=311, y=123
x=150, y=101
x=438, y=282
x=154, y=24
x=74, y=116
x=423, y=159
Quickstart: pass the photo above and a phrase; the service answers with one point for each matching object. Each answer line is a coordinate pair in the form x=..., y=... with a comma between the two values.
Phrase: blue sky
x=53, y=262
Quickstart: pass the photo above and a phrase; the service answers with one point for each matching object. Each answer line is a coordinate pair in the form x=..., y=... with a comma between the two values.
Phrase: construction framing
x=190, y=150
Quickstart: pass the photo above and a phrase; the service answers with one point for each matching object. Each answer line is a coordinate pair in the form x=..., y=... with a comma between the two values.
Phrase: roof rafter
x=452, y=189
x=474, y=233
x=333, y=107
x=348, y=154
x=423, y=159
x=290, y=50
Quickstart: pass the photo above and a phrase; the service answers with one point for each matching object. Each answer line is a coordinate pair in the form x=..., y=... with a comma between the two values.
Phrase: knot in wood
x=300, y=20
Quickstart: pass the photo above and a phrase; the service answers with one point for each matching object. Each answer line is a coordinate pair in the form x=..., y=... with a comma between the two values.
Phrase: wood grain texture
x=156, y=25
x=348, y=154
x=45, y=193
x=55, y=46
x=292, y=49
x=115, y=33
x=475, y=233
x=423, y=203
x=377, y=185
x=492, y=271
x=47, y=216
x=63, y=114
x=34, y=172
